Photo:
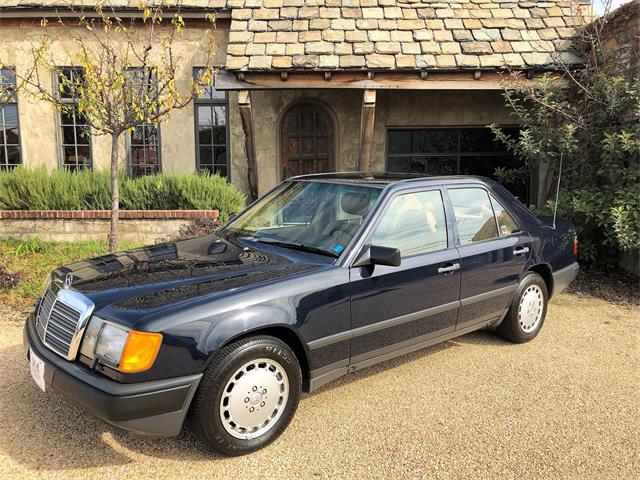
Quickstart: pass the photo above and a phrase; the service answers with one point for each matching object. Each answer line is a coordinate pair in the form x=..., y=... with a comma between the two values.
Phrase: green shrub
x=33, y=245
x=594, y=126
x=37, y=189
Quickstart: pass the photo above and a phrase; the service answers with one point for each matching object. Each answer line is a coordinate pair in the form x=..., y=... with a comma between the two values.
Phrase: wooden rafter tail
x=410, y=80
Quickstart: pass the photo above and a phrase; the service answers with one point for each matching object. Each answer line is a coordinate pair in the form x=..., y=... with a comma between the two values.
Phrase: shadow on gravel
x=482, y=337
x=49, y=432
x=46, y=431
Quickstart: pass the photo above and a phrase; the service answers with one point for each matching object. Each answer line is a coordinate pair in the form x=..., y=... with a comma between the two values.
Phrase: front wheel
x=248, y=395
x=527, y=311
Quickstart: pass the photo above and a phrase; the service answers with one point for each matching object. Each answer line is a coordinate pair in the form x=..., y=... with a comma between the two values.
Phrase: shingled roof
x=386, y=34
x=401, y=34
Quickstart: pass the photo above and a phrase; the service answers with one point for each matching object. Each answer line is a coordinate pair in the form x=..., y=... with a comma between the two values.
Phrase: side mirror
x=376, y=255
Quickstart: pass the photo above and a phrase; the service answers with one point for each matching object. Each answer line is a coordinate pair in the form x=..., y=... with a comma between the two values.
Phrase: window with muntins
x=211, y=115
x=75, y=133
x=9, y=126
x=414, y=223
x=451, y=151
x=144, y=140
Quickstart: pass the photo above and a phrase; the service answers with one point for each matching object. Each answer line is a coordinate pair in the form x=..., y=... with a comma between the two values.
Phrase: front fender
x=241, y=322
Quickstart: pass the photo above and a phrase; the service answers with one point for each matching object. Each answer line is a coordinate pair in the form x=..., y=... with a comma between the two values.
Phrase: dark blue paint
x=204, y=292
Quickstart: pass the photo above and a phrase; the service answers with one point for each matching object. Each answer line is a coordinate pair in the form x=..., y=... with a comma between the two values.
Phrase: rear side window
x=414, y=223
x=506, y=223
x=474, y=215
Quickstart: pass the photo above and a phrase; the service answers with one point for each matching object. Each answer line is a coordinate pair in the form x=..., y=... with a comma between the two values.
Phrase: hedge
x=38, y=189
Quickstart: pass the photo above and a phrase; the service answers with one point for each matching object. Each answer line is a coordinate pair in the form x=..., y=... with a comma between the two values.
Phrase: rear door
x=394, y=307
x=493, y=251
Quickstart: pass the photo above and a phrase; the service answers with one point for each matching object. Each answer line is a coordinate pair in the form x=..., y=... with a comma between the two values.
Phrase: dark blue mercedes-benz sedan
x=324, y=275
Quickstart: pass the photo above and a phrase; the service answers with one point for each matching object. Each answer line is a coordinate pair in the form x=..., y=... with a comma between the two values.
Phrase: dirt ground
x=563, y=406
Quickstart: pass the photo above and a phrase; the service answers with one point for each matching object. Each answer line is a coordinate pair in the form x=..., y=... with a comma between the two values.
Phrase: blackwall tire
x=248, y=395
x=527, y=311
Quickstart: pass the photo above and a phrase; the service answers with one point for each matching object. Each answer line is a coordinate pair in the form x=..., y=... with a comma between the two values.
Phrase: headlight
x=111, y=344
x=125, y=350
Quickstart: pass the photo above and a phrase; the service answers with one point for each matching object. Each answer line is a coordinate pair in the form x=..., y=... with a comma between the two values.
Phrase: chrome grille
x=46, y=304
x=62, y=319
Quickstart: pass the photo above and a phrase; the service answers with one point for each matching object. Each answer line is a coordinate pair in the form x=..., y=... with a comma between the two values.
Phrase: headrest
x=355, y=203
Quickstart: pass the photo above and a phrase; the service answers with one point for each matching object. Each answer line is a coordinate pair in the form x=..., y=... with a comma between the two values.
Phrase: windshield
x=321, y=217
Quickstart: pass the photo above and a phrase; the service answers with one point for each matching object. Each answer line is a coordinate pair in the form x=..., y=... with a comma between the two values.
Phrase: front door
x=394, y=307
x=493, y=251
x=307, y=141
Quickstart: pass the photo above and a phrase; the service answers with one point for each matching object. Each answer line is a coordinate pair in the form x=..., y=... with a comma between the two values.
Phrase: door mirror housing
x=377, y=255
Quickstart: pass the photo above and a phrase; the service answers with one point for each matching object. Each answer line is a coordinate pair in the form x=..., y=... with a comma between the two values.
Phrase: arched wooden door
x=307, y=141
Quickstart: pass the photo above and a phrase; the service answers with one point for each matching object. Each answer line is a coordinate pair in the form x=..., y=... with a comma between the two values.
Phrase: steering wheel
x=345, y=232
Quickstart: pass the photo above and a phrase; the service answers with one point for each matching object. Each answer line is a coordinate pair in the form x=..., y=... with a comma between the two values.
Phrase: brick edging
x=106, y=214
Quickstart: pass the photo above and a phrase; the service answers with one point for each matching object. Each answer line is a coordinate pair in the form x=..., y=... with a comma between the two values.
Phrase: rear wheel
x=527, y=311
x=248, y=395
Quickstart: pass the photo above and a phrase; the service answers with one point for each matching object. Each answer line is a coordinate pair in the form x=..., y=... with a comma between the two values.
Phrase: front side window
x=474, y=215
x=75, y=133
x=318, y=216
x=211, y=130
x=144, y=140
x=414, y=223
x=9, y=128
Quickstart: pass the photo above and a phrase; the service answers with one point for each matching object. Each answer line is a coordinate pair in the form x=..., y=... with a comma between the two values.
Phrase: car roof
x=382, y=179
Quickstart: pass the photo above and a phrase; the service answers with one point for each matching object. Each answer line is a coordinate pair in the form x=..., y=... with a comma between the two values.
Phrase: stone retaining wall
x=136, y=226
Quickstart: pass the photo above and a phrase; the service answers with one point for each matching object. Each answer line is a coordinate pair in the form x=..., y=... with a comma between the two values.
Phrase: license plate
x=37, y=370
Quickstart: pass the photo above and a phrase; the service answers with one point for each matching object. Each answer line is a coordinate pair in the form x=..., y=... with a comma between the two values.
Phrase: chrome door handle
x=521, y=251
x=449, y=269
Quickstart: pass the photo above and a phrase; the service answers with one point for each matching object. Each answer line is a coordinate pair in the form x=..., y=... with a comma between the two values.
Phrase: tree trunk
x=112, y=239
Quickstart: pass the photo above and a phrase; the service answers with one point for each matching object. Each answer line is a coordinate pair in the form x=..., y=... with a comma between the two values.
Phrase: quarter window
x=474, y=215
x=414, y=223
x=75, y=134
x=211, y=117
x=506, y=224
x=9, y=129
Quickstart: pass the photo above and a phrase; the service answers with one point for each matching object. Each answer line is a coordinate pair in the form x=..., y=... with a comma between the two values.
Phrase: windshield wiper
x=294, y=246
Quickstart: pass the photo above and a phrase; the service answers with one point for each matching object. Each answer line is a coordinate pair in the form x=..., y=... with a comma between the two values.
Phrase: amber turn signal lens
x=140, y=351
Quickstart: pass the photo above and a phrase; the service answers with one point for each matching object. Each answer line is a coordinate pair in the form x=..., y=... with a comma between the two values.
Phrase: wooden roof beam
x=367, y=120
x=246, y=115
x=365, y=80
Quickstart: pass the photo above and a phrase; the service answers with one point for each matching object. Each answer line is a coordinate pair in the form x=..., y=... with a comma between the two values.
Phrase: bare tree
x=125, y=73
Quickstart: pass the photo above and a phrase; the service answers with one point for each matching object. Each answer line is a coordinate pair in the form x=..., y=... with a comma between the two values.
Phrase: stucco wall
x=38, y=120
x=393, y=109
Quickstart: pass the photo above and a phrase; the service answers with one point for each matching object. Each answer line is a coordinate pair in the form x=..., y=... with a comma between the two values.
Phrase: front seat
x=352, y=203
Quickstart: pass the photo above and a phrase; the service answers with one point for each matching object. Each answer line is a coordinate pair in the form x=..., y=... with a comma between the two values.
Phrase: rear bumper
x=155, y=408
x=563, y=277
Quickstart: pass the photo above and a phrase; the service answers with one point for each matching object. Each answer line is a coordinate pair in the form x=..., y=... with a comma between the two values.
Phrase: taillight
x=575, y=245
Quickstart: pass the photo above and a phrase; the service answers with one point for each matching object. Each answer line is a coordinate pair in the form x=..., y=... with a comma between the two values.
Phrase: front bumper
x=155, y=408
x=563, y=277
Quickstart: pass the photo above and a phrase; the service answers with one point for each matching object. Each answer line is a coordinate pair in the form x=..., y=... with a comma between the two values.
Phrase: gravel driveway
x=566, y=405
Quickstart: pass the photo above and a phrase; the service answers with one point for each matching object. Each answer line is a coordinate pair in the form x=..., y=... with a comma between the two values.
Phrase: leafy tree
x=125, y=73
x=591, y=118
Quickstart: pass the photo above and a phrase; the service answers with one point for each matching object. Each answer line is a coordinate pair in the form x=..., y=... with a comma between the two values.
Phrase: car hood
x=139, y=282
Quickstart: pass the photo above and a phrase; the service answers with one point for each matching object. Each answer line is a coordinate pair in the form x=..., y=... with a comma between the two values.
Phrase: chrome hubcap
x=254, y=398
x=530, y=309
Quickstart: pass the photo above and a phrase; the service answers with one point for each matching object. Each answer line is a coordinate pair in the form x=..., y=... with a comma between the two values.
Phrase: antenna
x=555, y=208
